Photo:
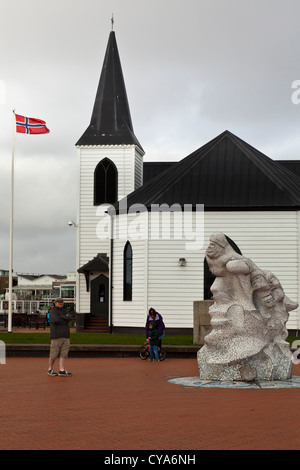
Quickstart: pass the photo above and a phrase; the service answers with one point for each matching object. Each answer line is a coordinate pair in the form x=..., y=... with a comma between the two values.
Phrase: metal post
x=10, y=282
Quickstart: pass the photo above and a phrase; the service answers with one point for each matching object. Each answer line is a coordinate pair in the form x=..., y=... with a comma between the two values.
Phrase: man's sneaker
x=64, y=373
x=52, y=372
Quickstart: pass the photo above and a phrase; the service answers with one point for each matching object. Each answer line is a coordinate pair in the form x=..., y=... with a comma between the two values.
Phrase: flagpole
x=10, y=282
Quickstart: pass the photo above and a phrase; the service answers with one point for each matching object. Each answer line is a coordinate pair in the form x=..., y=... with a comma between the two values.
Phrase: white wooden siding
x=269, y=238
x=129, y=313
x=138, y=174
x=89, y=244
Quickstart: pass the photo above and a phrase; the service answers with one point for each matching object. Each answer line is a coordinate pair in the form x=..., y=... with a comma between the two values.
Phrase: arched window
x=105, y=182
x=209, y=277
x=127, y=272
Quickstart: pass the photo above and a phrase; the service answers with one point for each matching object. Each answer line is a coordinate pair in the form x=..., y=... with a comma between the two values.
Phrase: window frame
x=102, y=191
x=127, y=272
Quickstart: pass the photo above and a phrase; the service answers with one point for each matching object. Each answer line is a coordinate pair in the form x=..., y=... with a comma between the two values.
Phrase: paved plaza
x=128, y=404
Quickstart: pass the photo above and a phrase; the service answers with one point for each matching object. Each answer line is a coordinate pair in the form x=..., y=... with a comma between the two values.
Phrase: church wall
x=158, y=280
x=173, y=288
x=138, y=171
x=269, y=238
x=90, y=217
x=129, y=313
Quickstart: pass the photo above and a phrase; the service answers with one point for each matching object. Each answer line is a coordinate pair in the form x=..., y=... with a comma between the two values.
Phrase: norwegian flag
x=26, y=125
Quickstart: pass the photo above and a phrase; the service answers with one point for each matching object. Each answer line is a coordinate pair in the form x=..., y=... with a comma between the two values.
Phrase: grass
x=291, y=339
x=90, y=338
x=98, y=338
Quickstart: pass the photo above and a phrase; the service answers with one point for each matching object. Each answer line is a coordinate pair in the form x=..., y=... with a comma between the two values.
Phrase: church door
x=99, y=296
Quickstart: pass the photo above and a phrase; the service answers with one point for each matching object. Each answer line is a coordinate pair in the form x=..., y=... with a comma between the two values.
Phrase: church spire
x=111, y=120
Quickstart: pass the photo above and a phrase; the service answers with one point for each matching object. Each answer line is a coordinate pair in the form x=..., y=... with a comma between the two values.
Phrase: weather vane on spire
x=112, y=22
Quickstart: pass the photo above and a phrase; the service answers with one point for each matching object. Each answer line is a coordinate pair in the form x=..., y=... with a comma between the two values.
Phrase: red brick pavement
x=118, y=403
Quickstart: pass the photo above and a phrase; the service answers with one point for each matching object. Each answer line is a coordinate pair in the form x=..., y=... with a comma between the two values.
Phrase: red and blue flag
x=26, y=125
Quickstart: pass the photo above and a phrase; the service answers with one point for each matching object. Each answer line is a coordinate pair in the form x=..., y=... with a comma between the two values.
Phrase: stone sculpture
x=248, y=319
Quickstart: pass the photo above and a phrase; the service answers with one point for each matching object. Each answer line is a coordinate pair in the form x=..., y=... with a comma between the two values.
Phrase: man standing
x=60, y=337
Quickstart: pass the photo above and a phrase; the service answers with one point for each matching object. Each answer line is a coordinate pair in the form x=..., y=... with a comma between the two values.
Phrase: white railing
x=30, y=306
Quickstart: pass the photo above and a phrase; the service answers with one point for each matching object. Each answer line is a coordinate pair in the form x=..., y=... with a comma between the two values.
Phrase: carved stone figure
x=248, y=319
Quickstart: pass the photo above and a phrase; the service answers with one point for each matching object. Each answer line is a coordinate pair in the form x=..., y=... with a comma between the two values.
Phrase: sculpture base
x=257, y=367
x=196, y=382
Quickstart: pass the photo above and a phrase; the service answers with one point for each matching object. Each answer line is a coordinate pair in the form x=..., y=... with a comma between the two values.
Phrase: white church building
x=143, y=228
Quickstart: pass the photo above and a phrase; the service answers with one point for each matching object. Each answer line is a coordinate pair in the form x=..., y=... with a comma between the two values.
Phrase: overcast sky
x=192, y=68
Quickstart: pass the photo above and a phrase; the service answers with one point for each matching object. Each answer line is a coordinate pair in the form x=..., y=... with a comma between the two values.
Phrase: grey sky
x=192, y=69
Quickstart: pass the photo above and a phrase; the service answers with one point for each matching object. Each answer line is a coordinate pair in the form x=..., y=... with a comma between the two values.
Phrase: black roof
x=225, y=173
x=33, y=277
x=99, y=263
x=153, y=169
x=292, y=165
x=111, y=121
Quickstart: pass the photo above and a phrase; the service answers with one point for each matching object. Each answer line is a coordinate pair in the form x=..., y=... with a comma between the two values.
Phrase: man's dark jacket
x=59, y=323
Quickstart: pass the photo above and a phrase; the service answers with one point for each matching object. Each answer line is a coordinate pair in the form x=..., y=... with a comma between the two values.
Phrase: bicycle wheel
x=162, y=354
x=144, y=352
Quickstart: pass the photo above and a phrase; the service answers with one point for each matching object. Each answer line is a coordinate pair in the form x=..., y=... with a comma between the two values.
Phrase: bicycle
x=144, y=352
